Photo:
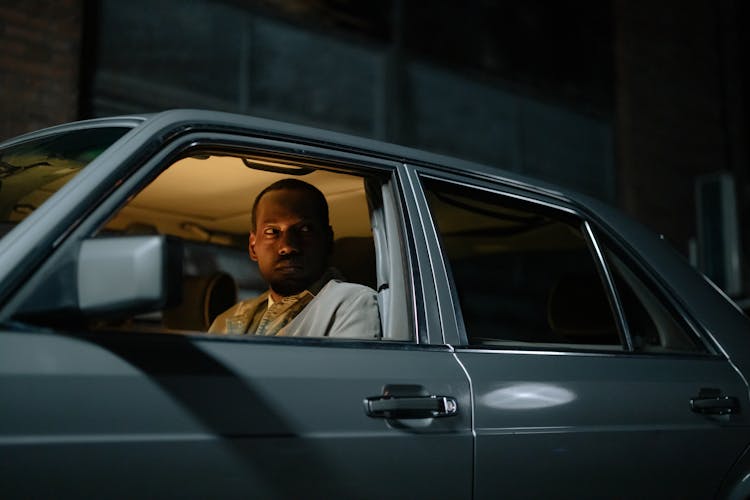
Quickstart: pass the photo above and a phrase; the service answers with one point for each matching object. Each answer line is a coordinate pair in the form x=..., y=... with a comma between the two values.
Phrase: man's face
x=290, y=242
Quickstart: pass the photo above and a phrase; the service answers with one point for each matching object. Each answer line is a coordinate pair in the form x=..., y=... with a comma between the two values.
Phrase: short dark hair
x=295, y=185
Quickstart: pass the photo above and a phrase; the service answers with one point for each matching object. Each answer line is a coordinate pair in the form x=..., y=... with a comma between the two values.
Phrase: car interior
x=31, y=172
x=205, y=200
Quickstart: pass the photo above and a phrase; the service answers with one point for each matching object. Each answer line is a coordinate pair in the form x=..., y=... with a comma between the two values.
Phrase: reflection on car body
x=534, y=341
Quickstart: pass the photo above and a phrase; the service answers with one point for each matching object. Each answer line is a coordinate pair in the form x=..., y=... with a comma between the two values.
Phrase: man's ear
x=251, y=247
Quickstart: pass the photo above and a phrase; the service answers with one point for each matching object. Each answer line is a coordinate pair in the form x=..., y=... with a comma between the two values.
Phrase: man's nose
x=289, y=243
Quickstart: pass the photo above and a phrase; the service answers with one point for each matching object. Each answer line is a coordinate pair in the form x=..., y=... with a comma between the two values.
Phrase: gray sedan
x=535, y=343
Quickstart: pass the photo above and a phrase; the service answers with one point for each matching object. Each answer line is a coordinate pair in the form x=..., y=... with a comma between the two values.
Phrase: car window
x=32, y=171
x=205, y=201
x=523, y=273
x=653, y=326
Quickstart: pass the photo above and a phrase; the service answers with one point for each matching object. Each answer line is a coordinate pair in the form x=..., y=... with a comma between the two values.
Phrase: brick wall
x=40, y=45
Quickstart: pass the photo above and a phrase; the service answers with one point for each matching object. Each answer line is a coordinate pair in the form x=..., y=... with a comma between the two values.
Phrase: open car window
x=204, y=200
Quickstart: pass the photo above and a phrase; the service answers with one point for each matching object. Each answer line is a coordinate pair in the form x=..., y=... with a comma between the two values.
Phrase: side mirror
x=111, y=277
x=128, y=274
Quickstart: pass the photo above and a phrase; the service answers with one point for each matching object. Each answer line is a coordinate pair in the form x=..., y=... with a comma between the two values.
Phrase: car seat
x=354, y=257
x=203, y=299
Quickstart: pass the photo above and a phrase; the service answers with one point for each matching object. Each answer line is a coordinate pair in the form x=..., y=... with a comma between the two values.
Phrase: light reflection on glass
x=527, y=396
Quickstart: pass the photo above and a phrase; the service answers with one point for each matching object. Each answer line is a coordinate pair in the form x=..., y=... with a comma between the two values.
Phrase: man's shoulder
x=341, y=309
x=346, y=289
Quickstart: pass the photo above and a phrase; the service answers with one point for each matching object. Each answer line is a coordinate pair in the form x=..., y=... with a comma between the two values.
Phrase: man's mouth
x=289, y=267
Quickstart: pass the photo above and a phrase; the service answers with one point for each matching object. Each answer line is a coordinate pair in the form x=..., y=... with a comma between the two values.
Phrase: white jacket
x=340, y=309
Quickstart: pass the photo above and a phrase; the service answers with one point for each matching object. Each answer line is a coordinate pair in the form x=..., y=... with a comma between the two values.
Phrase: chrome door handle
x=402, y=407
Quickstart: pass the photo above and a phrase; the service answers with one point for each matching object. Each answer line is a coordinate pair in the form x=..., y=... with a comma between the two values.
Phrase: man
x=290, y=239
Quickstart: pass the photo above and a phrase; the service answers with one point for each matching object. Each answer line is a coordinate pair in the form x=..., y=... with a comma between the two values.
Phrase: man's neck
x=313, y=288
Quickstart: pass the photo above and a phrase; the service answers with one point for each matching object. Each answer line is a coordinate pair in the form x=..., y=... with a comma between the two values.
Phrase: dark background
x=631, y=101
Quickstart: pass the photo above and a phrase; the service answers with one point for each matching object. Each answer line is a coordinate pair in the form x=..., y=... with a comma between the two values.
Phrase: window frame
x=140, y=174
x=590, y=230
x=610, y=243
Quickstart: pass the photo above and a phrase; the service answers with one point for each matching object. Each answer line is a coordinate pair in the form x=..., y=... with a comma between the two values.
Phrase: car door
x=116, y=411
x=571, y=400
x=123, y=416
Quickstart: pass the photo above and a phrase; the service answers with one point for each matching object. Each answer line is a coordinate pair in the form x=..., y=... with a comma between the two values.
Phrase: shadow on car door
x=119, y=414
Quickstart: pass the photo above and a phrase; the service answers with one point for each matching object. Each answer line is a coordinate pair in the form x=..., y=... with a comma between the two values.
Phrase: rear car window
x=523, y=274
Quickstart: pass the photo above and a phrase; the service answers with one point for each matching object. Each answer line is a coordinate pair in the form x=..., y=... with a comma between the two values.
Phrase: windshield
x=32, y=171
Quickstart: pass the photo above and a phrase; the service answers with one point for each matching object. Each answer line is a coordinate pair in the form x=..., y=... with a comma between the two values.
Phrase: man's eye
x=305, y=229
x=270, y=231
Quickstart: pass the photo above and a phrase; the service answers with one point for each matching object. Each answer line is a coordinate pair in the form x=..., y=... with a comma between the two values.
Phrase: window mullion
x=609, y=285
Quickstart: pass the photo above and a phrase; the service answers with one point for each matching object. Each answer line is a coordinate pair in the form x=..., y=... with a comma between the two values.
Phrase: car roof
x=190, y=118
x=197, y=119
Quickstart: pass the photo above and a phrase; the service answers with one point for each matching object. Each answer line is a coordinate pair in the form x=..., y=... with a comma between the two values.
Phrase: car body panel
x=720, y=321
x=205, y=415
x=577, y=425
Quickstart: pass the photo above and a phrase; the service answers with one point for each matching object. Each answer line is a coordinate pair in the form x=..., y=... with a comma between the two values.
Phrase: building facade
x=642, y=105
